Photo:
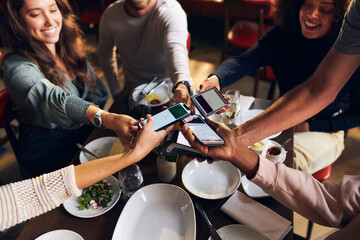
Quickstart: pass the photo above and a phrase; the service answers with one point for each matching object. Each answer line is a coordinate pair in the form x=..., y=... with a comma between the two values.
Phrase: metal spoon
x=82, y=148
x=286, y=142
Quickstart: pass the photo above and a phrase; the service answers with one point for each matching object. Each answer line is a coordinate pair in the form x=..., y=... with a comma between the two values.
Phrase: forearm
x=317, y=202
x=26, y=199
x=91, y=172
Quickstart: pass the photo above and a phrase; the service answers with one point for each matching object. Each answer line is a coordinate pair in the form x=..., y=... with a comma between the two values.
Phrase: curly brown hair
x=286, y=13
x=70, y=48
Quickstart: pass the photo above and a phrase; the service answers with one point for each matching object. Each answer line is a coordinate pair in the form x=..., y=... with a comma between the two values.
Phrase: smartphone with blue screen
x=168, y=116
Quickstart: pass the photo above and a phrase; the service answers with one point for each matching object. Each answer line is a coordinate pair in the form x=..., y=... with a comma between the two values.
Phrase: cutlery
x=143, y=93
x=214, y=234
x=152, y=89
x=286, y=142
x=82, y=148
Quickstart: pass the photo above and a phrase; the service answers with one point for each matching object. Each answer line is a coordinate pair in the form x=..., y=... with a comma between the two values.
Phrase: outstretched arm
x=303, y=101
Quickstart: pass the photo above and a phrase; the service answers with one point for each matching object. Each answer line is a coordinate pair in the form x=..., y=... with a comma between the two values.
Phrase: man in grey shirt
x=150, y=36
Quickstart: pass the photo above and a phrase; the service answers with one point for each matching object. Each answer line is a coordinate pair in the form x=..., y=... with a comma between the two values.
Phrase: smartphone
x=203, y=132
x=168, y=116
x=176, y=143
x=209, y=101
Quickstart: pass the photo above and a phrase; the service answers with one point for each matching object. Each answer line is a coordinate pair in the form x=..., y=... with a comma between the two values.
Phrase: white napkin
x=253, y=214
x=245, y=102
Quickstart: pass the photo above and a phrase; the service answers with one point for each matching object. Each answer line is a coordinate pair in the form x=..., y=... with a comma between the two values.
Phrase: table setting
x=155, y=208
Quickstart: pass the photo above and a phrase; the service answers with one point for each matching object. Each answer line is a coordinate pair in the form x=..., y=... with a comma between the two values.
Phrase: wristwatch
x=97, y=118
x=187, y=84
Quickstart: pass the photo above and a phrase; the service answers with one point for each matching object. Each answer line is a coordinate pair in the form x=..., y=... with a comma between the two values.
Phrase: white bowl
x=211, y=181
x=156, y=212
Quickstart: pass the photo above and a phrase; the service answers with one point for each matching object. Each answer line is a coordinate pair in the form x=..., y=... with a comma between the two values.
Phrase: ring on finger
x=132, y=140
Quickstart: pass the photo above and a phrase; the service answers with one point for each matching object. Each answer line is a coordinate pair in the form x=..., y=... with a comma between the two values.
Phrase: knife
x=153, y=88
x=82, y=148
x=213, y=233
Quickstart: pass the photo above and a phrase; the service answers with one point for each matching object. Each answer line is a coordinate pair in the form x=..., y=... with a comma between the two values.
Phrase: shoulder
x=169, y=7
x=18, y=63
x=170, y=13
x=113, y=10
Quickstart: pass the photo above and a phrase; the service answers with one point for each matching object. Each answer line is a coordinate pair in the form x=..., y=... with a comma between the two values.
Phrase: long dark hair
x=286, y=13
x=70, y=48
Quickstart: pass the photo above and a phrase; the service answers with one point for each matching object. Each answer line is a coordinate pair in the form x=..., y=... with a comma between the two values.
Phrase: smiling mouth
x=310, y=24
x=50, y=31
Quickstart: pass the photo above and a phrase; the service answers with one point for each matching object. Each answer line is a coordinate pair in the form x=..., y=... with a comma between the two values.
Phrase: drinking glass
x=130, y=180
x=232, y=116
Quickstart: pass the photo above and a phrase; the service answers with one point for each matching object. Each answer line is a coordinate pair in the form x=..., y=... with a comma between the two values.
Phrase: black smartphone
x=209, y=101
x=168, y=116
x=203, y=132
x=176, y=143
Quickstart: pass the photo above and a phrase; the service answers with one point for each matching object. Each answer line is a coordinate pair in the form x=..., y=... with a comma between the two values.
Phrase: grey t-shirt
x=348, y=41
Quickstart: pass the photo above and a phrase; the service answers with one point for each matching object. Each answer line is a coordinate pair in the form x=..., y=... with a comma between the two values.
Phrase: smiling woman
x=56, y=94
x=43, y=21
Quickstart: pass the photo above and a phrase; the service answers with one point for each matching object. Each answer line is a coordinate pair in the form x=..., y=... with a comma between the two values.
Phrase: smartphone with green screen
x=168, y=116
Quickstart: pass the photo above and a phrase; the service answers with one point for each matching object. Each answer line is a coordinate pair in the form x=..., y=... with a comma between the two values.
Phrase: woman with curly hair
x=56, y=94
x=294, y=47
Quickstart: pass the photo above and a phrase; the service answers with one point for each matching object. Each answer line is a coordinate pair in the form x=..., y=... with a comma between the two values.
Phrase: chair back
x=6, y=117
x=6, y=113
x=323, y=174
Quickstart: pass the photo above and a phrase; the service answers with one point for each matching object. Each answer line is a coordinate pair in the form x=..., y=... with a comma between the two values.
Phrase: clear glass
x=232, y=116
x=130, y=180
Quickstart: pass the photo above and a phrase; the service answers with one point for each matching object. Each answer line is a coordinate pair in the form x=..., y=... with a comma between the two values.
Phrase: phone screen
x=182, y=140
x=209, y=101
x=203, y=132
x=168, y=116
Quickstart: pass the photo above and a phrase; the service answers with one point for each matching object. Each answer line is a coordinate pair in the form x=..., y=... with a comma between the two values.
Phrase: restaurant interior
x=206, y=26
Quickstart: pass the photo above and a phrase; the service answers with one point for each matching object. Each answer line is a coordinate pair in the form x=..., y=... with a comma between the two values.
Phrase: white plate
x=163, y=92
x=157, y=212
x=72, y=204
x=251, y=189
x=239, y=232
x=100, y=147
x=60, y=234
x=249, y=114
x=211, y=181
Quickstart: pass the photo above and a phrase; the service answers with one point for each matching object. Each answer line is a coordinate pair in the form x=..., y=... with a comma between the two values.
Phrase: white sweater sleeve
x=175, y=39
x=106, y=52
x=29, y=198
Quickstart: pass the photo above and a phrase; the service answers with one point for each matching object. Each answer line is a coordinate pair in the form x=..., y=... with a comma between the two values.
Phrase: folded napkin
x=253, y=214
x=245, y=102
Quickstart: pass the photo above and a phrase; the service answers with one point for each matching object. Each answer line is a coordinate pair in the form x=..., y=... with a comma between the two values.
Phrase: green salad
x=96, y=196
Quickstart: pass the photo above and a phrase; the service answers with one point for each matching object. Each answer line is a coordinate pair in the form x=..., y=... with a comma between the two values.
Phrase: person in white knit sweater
x=150, y=36
x=26, y=199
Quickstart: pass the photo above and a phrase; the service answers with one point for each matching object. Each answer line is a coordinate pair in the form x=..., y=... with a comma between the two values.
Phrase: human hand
x=234, y=150
x=210, y=82
x=222, y=152
x=124, y=126
x=181, y=94
x=146, y=139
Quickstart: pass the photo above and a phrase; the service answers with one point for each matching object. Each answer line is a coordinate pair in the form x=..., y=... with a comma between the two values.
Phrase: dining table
x=102, y=227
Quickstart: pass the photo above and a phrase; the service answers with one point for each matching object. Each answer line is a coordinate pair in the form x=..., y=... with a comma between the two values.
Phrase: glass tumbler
x=130, y=180
x=232, y=116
